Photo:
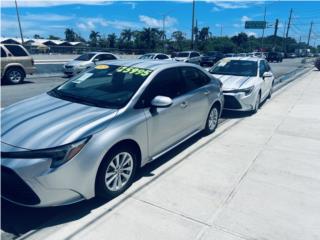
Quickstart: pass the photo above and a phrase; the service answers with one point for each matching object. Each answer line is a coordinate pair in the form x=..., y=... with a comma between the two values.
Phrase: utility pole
x=21, y=35
x=275, y=33
x=310, y=30
x=264, y=19
x=192, y=29
x=283, y=36
x=163, y=31
x=288, y=28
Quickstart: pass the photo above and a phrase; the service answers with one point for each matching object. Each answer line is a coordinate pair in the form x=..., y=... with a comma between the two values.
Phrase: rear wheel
x=14, y=75
x=212, y=120
x=271, y=90
x=116, y=172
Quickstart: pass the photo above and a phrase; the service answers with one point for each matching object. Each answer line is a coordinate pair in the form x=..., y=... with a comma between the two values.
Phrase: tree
x=94, y=38
x=112, y=40
x=37, y=36
x=51, y=37
x=70, y=35
x=240, y=39
x=126, y=35
x=179, y=38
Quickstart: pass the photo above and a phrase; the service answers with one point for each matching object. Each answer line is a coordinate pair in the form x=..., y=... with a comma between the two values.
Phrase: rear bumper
x=30, y=70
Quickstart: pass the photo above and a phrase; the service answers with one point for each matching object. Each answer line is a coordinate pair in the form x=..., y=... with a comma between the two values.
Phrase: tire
x=14, y=75
x=257, y=104
x=108, y=170
x=212, y=120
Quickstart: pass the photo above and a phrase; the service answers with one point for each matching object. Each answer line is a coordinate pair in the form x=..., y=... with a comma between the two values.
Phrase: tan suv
x=16, y=63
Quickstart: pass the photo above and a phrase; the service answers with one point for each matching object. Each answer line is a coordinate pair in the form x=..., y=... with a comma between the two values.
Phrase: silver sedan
x=89, y=136
x=247, y=81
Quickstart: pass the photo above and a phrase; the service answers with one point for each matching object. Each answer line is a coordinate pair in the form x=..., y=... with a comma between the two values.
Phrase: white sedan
x=246, y=82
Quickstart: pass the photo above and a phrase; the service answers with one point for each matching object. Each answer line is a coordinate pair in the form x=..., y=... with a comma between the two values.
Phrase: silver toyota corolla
x=88, y=136
x=247, y=81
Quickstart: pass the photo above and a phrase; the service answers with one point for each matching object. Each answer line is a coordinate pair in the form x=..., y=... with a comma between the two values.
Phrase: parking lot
x=238, y=187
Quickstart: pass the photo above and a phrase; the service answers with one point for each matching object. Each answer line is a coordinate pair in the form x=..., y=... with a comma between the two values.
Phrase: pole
x=163, y=31
x=310, y=30
x=21, y=36
x=288, y=28
x=264, y=19
x=283, y=37
x=192, y=29
x=275, y=33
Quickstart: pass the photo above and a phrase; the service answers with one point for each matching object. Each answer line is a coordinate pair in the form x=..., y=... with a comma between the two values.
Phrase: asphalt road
x=17, y=220
x=41, y=83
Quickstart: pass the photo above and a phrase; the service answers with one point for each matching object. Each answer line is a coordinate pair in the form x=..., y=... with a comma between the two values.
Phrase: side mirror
x=95, y=60
x=161, y=102
x=267, y=74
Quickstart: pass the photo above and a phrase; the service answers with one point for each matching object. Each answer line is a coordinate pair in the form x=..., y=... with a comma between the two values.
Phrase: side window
x=268, y=68
x=194, y=78
x=161, y=56
x=108, y=57
x=16, y=50
x=3, y=53
x=167, y=83
x=193, y=54
x=98, y=57
x=262, y=68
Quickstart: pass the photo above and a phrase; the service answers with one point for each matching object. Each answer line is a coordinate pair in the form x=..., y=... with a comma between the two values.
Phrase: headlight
x=246, y=91
x=58, y=155
x=82, y=66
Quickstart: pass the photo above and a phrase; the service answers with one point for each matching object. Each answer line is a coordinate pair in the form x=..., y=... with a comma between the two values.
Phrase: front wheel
x=116, y=172
x=271, y=90
x=212, y=120
x=257, y=104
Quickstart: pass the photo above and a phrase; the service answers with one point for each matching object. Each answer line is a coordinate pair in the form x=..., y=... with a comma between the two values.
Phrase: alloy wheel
x=15, y=76
x=119, y=171
x=213, y=118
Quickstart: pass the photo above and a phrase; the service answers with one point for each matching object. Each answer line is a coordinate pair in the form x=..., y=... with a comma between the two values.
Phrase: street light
x=22, y=41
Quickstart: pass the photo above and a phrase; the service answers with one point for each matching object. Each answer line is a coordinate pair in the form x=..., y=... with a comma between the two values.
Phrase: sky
x=222, y=17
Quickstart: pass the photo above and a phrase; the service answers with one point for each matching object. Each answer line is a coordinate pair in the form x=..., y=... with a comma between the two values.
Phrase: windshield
x=235, y=67
x=182, y=54
x=85, y=57
x=147, y=56
x=106, y=86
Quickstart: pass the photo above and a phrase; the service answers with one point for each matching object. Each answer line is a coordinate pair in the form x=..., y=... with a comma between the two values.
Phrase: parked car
x=16, y=63
x=89, y=135
x=258, y=54
x=246, y=82
x=86, y=61
x=291, y=55
x=155, y=56
x=274, y=57
x=317, y=63
x=230, y=55
x=188, y=56
x=210, y=58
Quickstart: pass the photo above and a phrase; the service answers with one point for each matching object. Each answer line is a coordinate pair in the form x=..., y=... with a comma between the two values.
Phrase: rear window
x=3, y=53
x=16, y=50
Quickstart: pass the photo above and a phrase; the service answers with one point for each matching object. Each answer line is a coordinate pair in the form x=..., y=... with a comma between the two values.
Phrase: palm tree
x=126, y=35
x=94, y=37
x=112, y=39
x=70, y=35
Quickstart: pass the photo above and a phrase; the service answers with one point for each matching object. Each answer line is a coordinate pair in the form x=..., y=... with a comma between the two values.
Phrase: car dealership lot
x=255, y=178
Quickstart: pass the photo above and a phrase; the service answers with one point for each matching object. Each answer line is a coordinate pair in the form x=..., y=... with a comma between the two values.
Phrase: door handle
x=184, y=104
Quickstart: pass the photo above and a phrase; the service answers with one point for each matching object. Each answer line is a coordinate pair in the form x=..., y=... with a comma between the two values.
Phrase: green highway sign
x=255, y=24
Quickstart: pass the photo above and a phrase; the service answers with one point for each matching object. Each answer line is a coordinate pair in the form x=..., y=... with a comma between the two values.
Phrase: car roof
x=98, y=53
x=147, y=64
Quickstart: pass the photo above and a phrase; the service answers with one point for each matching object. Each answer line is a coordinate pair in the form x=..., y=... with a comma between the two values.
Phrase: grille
x=231, y=102
x=15, y=189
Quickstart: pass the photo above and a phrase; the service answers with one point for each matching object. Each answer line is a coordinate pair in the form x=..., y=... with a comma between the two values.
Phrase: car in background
x=16, y=63
x=86, y=61
x=242, y=55
x=210, y=58
x=155, y=56
x=246, y=82
x=89, y=136
x=188, y=56
x=274, y=57
x=258, y=54
x=291, y=55
x=230, y=55
x=317, y=63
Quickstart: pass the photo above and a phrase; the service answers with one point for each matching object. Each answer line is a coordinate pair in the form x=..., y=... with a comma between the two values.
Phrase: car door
x=266, y=81
x=197, y=96
x=166, y=126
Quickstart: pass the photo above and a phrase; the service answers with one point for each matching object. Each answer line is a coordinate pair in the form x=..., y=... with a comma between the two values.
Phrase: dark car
x=274, y=57
x=210, y=58
x=317, y=63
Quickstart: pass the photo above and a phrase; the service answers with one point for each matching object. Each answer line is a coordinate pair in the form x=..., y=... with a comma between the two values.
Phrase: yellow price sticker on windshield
x=134, y=70
x=101, y=67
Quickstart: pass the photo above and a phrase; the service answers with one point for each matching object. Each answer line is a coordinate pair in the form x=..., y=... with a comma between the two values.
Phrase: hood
x=233, y=82
x=44, y=122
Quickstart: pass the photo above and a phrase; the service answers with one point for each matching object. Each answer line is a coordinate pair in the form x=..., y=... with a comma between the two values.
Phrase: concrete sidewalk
x=255, y=178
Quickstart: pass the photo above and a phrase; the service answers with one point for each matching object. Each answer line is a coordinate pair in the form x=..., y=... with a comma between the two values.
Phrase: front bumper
x=239, y=101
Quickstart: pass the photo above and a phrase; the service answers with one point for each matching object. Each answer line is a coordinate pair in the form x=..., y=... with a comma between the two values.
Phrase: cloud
x=158, y=23
x=245, y=18
x=50, y=3
x=46, y=17
x=236, y=4
x=251, y=33
x=132, y=4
